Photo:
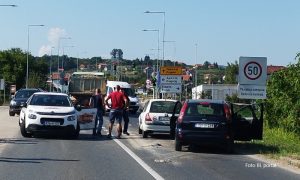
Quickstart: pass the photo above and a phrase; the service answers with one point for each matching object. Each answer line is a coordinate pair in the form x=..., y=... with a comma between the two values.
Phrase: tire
x=140, y=131
x=24, y=133
x=229, y=147
x=76, y=132
x=11, y=114
x=178, y=145
x=145, y=134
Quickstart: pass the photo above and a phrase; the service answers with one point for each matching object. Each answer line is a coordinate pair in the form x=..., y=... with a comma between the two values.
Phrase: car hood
x=51, y=109
x=20, y=100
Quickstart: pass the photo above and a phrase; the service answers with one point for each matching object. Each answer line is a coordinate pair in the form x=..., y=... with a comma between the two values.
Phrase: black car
x=20, y=97
x=217, y=122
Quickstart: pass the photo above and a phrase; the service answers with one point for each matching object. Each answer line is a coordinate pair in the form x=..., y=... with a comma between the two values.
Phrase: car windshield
x=24, y=94
x=50, y=100
x=205, y=109
x=129, y=92
x=162, y=106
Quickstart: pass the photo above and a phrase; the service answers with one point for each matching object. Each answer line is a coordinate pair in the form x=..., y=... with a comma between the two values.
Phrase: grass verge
x=276, y=144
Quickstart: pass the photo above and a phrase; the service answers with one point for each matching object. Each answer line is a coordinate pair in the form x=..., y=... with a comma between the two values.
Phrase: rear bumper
x=15, y=109
x=204, y=137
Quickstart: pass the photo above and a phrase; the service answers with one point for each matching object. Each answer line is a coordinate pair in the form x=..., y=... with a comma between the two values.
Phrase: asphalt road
x=48, y=157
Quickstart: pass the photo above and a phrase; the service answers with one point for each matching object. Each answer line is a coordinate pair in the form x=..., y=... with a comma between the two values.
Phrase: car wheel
x=145, y=134
x=11, y=114
x=178, y=145
x=24, y=133
x=140, y=131
x=76, y=132
x=229, y=146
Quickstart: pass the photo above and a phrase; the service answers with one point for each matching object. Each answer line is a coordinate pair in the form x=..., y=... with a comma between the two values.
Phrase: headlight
x=13, y=103
x=71, y=118
x=31, y=116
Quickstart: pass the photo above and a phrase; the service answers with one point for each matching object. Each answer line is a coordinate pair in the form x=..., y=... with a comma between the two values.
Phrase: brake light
x=227, y=112
x=147, y=117
x=182, y=111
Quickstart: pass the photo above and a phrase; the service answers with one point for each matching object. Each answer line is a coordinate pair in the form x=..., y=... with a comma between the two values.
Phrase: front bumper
x=35, y=128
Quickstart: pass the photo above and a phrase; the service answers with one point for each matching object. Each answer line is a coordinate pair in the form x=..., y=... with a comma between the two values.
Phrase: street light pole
x=164, y=30
x=11, y=5
x=174, y=54
x=50, y=69
x=196, y=67
x=157, y=30
x=28, y=27
x=58, y=47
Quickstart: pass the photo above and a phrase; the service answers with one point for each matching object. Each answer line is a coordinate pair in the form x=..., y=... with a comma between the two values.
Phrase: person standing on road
x=118, y=101
x=125, y=114
x=96, y=101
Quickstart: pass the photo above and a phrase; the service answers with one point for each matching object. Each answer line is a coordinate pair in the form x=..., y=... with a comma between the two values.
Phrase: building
x=216, y=91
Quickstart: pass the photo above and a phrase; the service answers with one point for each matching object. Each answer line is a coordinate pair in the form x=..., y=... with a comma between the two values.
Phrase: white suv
x=46, y=111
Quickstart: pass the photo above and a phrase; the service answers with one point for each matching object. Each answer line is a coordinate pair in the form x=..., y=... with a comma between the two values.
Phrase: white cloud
x=53, y=38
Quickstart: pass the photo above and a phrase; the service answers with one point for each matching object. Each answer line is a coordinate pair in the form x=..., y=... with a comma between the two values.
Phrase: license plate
x=201, y=125
x=50, y=123
x=162, y=118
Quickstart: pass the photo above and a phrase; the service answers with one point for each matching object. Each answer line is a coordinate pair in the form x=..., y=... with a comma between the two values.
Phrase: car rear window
x=25, y=93
x=205, y=109
x=162, y=107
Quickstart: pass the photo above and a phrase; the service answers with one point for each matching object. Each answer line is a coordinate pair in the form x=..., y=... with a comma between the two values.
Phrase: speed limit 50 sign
x=253, y=70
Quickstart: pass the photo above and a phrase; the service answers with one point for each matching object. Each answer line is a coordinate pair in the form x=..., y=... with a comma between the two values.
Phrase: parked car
x=47, y=112
x=155, y=116
x=20, y=97
x=217, y=122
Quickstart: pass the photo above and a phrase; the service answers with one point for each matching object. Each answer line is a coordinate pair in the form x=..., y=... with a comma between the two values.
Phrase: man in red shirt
x=118, y=101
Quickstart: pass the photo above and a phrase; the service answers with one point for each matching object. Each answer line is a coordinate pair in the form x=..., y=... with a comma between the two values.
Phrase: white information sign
x=170, y=79
x=252, y=91
x=253, y=70
x=172, y=88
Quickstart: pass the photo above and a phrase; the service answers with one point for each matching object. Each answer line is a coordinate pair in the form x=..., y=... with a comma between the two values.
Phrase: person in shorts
x=118, y=101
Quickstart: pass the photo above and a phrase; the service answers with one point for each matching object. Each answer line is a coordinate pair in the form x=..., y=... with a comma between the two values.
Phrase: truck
x=81, y=87
x=134, y=100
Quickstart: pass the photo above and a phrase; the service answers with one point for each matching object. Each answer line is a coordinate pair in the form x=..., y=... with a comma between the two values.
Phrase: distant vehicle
x=46, y=111
x=20, y=97
x=217, y=122
x=134, y=100
x=156, y=115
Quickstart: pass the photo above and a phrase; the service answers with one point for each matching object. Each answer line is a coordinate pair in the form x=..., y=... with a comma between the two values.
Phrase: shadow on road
x=17, y=141
x=33, y=160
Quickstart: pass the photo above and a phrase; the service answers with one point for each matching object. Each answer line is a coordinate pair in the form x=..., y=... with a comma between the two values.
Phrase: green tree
x=283, y=100
x=231, y=72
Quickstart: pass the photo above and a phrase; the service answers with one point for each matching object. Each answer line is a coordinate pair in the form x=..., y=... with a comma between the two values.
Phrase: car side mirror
x=24, y=104
x=78, y=107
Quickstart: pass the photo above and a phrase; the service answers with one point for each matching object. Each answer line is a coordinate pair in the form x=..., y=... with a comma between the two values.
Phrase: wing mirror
x=78, y=107
x=23, y=104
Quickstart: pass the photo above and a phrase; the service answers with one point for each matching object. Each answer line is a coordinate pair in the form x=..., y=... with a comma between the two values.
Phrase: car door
x=247, y=121
x=174, y=118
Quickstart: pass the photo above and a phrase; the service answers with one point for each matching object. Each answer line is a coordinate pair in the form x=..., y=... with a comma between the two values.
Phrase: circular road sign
x=252, y=70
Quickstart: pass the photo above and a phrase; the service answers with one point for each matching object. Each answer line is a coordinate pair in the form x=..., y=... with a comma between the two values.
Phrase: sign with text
x=253, y=70
x=170, y=79
x=170, y=70
x=173, y=88
x=252, y=91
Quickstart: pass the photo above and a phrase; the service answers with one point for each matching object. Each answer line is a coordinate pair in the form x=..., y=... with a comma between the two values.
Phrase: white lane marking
x=139, y=160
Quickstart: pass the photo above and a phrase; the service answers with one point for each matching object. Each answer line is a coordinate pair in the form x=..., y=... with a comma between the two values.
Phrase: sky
x=195, y=30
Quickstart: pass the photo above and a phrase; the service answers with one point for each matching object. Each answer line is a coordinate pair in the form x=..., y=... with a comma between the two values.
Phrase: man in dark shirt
x=118, y=101
x=96, y=101
x=125, y=114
